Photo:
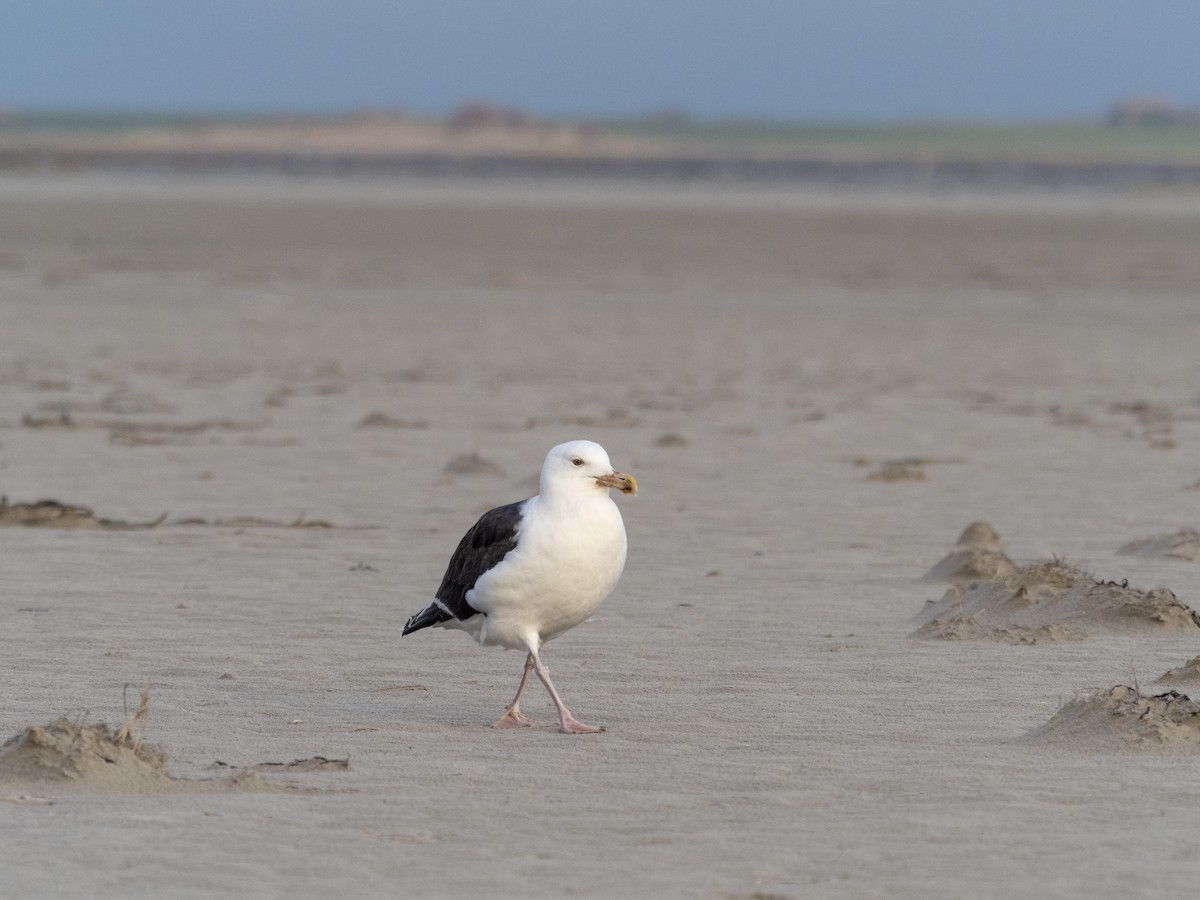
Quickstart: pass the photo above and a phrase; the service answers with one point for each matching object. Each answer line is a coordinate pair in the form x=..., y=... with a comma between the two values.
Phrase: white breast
x=567, y=560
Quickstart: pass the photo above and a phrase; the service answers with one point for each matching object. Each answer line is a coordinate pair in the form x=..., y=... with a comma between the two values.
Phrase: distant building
x=1152, y=110
x=476, y=114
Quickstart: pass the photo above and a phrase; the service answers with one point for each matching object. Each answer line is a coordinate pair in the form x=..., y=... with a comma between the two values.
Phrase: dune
x=1124, y=718
x=977, y=556
x=1052, y=600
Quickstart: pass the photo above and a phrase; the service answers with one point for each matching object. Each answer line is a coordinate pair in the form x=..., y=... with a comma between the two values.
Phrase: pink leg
x=567, y=723
x=513, y=717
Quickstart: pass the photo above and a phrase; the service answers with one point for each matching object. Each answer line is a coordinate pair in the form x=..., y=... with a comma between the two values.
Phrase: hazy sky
x=845, y=59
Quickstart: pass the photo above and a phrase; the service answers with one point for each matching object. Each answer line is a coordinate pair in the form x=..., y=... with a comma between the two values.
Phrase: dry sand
x=382, y=361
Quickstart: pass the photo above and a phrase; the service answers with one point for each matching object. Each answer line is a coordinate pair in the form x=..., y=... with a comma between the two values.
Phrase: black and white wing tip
x=483, y=547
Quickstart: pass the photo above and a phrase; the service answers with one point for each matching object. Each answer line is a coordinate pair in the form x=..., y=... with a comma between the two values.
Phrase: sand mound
x=308, y=764
x=899, y=470
x=88, y=755
x=979, y=534
x=383, y=420
x=1189, y=672
x=1050, y=600
x=73, y=754
x=906, y=468
x=1122, y=717
x=255, y=522
x=977, y=556
x=1183, y=544
x=471, y=464
x=52, y=514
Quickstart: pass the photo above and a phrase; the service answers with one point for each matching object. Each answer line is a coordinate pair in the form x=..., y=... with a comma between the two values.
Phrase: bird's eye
x=576, y=461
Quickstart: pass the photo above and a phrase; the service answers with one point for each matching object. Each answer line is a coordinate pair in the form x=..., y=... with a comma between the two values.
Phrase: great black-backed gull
x=528, y=571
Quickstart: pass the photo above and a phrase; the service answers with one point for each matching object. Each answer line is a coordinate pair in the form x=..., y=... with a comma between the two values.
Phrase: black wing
x=487, y=542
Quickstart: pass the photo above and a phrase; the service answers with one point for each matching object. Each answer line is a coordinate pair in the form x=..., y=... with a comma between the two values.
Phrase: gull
x=529, y=571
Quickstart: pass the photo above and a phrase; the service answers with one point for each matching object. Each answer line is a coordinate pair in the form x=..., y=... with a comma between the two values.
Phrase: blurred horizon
x=664, y=118
x=673, y=118
x=853, y=61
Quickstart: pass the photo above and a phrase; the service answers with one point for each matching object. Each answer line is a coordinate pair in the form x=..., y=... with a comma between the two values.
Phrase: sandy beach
x=817, y=391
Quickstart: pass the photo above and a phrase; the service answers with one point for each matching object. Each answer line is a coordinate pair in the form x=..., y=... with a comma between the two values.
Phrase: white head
x=581, y=468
